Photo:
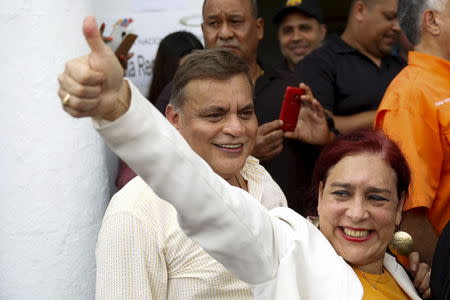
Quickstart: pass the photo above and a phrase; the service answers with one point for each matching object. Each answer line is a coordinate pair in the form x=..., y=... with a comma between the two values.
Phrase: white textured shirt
x=142, y=253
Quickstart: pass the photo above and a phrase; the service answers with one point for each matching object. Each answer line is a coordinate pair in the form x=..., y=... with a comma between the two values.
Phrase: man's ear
x=359, y=10
x=323, y=32
x=430, y=23
x=173, y=116
x=260, y=28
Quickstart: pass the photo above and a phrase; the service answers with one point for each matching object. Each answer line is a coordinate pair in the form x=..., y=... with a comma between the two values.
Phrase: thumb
x=414, y=260
x=289, y=134
x=92, y=34
x=267, y=128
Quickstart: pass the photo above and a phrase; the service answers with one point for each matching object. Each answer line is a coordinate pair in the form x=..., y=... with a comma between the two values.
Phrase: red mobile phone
x=291, y=107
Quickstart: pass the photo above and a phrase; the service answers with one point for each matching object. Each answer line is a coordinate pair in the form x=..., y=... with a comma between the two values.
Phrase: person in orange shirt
x=415, y=112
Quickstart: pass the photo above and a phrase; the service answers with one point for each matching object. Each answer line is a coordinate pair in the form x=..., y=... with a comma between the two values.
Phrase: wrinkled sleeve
x=226, y=221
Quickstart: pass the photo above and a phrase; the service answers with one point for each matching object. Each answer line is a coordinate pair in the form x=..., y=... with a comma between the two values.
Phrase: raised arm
x=226, y=221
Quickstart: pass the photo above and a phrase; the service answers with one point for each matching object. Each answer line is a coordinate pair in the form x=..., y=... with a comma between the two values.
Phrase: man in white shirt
x=142, y=253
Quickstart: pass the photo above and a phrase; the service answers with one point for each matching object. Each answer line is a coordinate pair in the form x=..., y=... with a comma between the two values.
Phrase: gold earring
x=401, y=244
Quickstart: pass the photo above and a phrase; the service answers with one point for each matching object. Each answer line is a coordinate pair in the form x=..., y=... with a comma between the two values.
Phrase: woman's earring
x=401, y=244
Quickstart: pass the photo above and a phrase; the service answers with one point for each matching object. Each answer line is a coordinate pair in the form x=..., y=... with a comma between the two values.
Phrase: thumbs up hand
x=93, y=85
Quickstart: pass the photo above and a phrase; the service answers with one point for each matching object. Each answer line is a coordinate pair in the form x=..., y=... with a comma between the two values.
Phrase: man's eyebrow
x=248, y=106
x=286, y=26
x=390, y=12
x=235, y=15
x=217, y=15
x=211, y=17
x=213, y=108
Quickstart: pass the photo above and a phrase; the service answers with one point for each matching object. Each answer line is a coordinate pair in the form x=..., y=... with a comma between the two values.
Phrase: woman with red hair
x=361, y=181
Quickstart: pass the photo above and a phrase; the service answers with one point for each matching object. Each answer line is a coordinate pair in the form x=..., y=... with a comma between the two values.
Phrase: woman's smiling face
x=359, y=209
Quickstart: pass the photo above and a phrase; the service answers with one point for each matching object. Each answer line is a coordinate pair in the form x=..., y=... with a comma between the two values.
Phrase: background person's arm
x=361, y=120
x=419, y=140
x=416, y=223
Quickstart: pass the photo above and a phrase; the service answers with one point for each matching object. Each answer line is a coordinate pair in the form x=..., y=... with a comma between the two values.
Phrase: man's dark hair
x=368, y=3
x=410, y=16
x=218, y=64
x=253, y=4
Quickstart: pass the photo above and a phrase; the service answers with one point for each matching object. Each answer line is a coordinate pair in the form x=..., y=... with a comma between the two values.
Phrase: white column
x=55, y=172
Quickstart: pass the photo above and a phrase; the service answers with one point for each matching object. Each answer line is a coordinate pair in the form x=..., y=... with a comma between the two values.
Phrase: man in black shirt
x=233, y=24
x=350, y=74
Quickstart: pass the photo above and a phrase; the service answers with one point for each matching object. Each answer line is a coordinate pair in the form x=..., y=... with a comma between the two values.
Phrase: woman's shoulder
x=295, y=233
x=305, y=258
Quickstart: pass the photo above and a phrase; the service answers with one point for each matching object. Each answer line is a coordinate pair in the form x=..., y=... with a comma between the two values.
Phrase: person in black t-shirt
x=300, y=30
x=350, y=73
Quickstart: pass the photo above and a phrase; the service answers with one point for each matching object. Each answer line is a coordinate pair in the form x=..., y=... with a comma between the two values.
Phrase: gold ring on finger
x=66, y=99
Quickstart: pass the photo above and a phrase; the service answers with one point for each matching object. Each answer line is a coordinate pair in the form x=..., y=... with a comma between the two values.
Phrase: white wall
x=56, y=174
x=55, y=178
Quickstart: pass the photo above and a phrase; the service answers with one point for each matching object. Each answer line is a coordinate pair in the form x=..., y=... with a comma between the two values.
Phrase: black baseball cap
x=308, y=7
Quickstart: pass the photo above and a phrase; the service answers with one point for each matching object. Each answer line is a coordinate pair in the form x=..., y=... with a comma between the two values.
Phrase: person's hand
x=312, y=127
x=421, y=272
x=269, y=140
x=93, y=85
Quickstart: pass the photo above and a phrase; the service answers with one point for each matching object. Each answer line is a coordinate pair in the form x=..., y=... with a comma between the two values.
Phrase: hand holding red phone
x=290, y=108
x=312, y=127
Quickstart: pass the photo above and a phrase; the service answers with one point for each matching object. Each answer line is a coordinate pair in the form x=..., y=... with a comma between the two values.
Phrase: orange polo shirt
x=415, y=112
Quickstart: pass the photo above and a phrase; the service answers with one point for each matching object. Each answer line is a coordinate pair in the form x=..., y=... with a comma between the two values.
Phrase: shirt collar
x=253, y=173
x=341, y=47
x=436, y=64
x=269, y=72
